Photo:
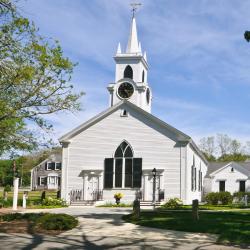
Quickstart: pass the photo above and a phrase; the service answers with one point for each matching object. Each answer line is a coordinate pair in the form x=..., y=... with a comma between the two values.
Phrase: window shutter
x=108, y=172
x=137, y=172
x=192, y=178
x=46, y=166
x=195, y=181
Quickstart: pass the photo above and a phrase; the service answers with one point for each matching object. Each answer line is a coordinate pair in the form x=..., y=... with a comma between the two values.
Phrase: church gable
x=123, y=112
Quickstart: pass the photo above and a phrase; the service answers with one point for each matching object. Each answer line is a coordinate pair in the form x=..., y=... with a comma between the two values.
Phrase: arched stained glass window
x=124, y=150
x=123, y=171
x=128, y=72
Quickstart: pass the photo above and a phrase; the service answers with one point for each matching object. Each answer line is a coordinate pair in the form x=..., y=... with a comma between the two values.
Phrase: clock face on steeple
x=125, y=90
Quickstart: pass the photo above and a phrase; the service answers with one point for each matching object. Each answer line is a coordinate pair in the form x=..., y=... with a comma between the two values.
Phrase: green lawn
x=32, y=195
x=207, y=207
x=232, y=227
x=34, y=198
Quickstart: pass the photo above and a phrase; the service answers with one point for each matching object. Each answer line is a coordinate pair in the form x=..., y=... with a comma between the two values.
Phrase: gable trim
x=238, y=166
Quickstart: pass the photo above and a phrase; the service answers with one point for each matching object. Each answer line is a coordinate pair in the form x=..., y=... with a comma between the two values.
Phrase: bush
x=53, y=202
x=57, y=222
x=173, y=203
x=43, y=195
x=225, y=198
x=238, y=196
x=7, y=188
x=212, y=198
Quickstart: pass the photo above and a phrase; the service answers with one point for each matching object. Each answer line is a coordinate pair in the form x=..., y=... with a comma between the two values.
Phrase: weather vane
x=135, y=6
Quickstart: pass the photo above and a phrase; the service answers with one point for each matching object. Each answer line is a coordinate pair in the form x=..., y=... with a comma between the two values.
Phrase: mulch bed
x=24, y=227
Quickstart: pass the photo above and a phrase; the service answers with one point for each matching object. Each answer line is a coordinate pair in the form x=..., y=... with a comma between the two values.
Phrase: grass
x=33, y=195
x=231, y=227
x=33, y=201
x=207, y=207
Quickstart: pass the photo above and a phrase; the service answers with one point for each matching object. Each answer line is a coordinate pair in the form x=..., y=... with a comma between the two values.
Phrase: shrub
x=238, y=196
x=43, y=195
x=225, y=198
x=173, y=203
x=7, y=188
x=53, y=202
x=212, y=198
x=57, y=222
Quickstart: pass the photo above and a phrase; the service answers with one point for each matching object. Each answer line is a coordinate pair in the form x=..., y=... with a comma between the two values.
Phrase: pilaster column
x=85, y=187
x=145, y=187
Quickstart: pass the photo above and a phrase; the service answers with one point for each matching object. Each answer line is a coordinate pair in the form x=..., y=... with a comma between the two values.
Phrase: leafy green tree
x=34, y=80
x=247, y=35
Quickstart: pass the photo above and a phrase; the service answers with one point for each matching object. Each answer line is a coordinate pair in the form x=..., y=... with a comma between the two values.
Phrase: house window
x=50, y=165
x=242, y=186
x=222, y=186
x=58, y=166
x=128, y=72
x=123, y=171
x=42, y=181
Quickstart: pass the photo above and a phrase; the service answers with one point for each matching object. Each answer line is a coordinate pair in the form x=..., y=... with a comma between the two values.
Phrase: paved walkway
x=102, y=228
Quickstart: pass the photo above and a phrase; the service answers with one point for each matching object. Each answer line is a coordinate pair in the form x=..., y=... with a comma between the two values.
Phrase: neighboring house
x=231, y=177
x=47, y=175
x=117, y=150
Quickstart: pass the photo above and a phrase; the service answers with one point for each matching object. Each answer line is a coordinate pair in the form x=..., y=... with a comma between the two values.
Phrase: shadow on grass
x=231, y=227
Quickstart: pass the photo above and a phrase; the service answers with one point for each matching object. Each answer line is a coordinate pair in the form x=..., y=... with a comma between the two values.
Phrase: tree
x=224, y=143
x=207, y=145
x=34, y=80
x=235, y=147
x=247, y=35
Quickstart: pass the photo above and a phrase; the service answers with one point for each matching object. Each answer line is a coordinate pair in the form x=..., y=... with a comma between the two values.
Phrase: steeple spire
x=133, y=46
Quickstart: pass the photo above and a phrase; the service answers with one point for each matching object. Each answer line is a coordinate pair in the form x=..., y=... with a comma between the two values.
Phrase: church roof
x=181, y=137
x=215, y=166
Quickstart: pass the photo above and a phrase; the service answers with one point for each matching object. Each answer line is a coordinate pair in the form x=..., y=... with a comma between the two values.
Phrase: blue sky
x=199, y=61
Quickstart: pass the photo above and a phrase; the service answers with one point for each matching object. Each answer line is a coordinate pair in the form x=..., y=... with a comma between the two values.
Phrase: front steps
x=93, y=203
x=82, y=203
x=149, y=203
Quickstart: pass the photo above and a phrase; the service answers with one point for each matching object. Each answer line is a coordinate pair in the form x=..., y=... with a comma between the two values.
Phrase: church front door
x=92, y=187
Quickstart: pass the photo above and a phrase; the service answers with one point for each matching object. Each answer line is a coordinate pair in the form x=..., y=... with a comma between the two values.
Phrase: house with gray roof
x=227, y=176
x=47, y=174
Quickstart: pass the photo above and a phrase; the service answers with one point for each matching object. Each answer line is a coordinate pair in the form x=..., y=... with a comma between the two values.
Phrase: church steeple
x=133, y=45
x=131, y=73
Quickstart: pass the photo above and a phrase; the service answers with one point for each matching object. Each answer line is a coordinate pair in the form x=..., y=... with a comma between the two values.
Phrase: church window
x=127, y=170
x=118, y=172
x=128, y=72
x=193, y=175
x=143, y=76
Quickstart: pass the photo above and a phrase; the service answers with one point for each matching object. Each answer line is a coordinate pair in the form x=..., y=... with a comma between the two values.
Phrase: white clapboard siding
x=149, y=141
x=199, y=164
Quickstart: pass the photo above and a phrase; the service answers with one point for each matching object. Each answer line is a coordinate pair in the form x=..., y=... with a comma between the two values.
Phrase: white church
x=117, y=150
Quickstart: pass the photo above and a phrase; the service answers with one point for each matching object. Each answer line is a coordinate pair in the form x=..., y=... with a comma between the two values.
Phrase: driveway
x=102, y=228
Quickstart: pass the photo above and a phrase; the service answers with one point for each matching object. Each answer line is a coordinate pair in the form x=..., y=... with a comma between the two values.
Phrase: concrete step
x=82, y=203
x=149, y=203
